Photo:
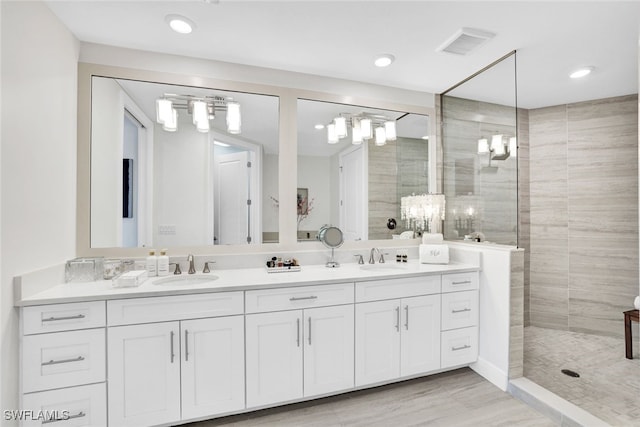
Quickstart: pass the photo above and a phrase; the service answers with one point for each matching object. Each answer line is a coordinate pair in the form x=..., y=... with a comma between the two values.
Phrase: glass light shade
x=203, y=126
x=234, y=121
x=513, y=146
x=366, y=128
x=381, y=137
x=390, y=130
x=341, y=126
x=497, y=145
x=356, y=133
x=483, y=146
x=171, y=125
x=332, y=137
x=163, y=110
x=200, y=114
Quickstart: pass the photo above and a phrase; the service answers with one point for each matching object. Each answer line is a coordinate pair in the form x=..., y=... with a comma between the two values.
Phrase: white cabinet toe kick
x=167, y=360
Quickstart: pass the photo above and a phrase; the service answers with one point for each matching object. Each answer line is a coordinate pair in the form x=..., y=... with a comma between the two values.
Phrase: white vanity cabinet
x=63, y=364
x=304, y=351
x=164, y=372
x=397, y=338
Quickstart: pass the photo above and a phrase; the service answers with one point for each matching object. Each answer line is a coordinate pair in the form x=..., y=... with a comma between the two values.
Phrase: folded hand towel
x=434, y=254
x=432, y=238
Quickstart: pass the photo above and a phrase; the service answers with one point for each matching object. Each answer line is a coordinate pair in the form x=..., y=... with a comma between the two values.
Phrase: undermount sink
x=187, y=279
x=382, y=267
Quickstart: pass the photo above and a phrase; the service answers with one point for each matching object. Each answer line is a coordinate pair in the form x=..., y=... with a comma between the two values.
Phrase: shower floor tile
x=609, y=384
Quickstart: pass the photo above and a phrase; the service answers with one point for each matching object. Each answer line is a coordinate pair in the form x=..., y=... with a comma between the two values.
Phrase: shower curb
x=551, y=405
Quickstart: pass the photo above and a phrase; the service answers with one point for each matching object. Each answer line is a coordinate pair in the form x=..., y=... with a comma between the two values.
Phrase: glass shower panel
x=480, y=154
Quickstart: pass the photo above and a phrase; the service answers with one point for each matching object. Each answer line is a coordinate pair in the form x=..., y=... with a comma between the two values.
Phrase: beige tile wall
x=583, y=173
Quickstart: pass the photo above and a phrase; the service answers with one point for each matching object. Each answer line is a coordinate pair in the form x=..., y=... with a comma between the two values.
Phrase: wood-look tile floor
x=609, y=384
x=456, y=398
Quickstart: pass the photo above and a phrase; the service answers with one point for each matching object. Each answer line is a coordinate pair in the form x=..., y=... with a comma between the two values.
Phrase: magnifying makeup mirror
x=332, y=238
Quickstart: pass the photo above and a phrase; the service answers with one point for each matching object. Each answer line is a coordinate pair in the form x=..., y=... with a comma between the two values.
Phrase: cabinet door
x=144, y=374
x=212, y=360
x=420, y=348
x=274, y=357
x=377, y=341
x=328, y=349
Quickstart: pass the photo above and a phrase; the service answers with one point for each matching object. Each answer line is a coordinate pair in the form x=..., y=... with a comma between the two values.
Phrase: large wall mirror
x=354, y=166
x=181, y=166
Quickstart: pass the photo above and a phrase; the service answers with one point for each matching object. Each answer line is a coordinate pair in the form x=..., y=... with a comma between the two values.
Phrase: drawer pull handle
x=464, y=347
x=55, y=319
x=70, y=417
x=309, y=330
x=460, y=311
x=298, y=332
x=406, y=318
x=58, y=362
x=398, y=318
x=302, y=298
x=465, y=282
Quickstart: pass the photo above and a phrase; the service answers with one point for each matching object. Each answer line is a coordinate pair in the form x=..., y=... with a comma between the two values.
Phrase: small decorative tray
x=283, y=269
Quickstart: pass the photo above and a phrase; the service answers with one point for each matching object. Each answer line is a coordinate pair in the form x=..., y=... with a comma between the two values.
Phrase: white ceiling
x=341, y=38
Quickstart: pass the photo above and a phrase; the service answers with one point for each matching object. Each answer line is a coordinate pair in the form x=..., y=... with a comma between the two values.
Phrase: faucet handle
x=360, y=259
x=206, y=268
x=381, y=260
x=177, y=270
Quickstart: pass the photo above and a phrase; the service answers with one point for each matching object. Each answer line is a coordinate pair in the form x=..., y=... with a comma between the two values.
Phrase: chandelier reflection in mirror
x=423, y=213
x=363, y=127
x=202, y=109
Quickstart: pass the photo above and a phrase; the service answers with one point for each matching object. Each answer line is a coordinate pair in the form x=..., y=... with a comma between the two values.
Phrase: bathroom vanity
x=185, y=350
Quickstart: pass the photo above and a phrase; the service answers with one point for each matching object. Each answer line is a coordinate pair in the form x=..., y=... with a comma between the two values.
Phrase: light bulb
x=497, y=145
x=356, y=133
x=332, y=136
x=171, y=125
x=365, y=127
x=341, y=126
x=234, y=120
x=390, y=130
x=483, y=146
x=163, y=110
x=200, y=114
x=381, y=137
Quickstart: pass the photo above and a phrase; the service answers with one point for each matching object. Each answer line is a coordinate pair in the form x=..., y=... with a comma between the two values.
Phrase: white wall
x=269, y=189
x=38, y=161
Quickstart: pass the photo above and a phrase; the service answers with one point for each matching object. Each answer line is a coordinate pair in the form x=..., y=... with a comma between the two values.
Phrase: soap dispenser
x=163, y=263
x=152, y=264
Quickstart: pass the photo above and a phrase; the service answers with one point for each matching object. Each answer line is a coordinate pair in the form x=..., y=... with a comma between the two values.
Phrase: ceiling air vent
x=464, y=41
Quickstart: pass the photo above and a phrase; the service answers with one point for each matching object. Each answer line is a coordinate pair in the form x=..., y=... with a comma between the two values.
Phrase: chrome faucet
x=192, y=267
x=372, y=260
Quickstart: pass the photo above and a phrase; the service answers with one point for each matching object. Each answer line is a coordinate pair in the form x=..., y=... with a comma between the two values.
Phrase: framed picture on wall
x=303, y=201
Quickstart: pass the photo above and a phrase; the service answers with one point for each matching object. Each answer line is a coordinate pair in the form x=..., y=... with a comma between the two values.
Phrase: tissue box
x=129, y=279
x=434, y=254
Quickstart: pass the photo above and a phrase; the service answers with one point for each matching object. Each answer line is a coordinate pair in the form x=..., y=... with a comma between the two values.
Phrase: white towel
x=636, y=303
x=432, y=238
x=434, y=254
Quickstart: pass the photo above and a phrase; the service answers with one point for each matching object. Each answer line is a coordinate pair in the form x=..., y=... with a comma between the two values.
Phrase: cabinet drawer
x=179, y=307
x=63, y=359
x=63, y=317
x=459, y=310
x=298, y=297
x=459, y=347
x=460, y=282
x=73, y=407
x=397, y=288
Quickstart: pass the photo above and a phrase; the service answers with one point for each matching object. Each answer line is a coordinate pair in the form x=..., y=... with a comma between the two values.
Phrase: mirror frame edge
x=287, y=182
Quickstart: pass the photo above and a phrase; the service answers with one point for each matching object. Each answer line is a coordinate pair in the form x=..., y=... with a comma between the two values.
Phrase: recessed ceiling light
x=581, y=72
x=384, y=60
x=180, y=24
x=319, y=126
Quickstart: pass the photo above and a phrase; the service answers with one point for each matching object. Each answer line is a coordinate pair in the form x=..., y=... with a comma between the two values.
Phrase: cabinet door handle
x=186, y=345
x=302, y=298
x=298, y=332
x=464, y=347
x=309, y=330
x=55, y=319
x=172, y=353
x=406, y=317
x=58, y=362
x=460, y=311
x=398, y=318
x=70, y=417
x=465, y=282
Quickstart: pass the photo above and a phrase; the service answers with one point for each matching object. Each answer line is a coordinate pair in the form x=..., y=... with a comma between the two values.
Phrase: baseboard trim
x=491, y=373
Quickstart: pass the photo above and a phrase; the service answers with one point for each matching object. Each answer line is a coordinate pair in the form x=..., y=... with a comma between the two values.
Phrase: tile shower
x=577, y=218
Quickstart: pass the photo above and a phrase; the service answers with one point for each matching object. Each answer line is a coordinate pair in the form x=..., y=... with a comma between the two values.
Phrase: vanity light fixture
x=581, y=72
x=497, y=145
x=202, y=109
x=499, y=148
x=483, y=146
x=384, y=60
x=180, y=24
x=513, y=146
x=363, y=127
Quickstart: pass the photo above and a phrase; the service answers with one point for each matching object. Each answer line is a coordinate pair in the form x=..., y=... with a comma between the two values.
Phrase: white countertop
x=240, y=280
